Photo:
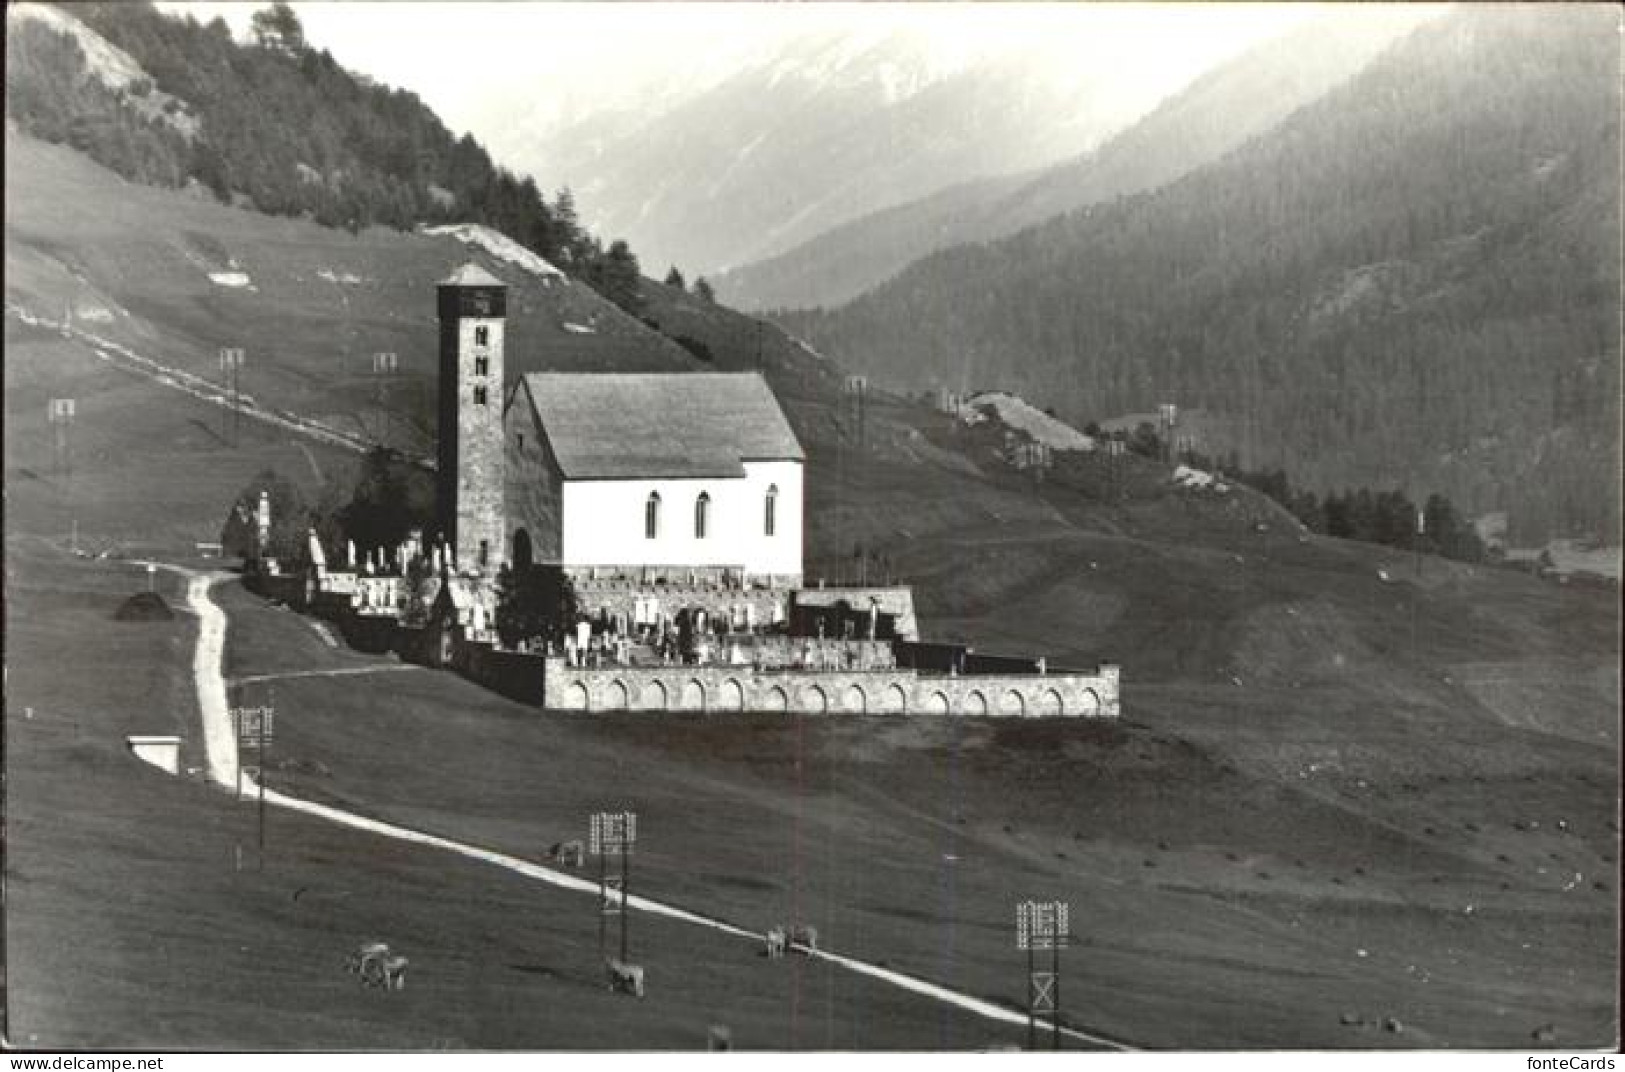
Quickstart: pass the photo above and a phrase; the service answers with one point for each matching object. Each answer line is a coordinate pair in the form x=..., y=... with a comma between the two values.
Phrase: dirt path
x=221, y=750
x=343, y=671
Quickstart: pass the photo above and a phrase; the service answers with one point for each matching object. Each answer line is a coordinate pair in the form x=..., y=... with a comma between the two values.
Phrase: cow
x=776, y=942
x=365, y=955
x=627, y=978
x=395, y=973
x=568, y=854
x=804, y=936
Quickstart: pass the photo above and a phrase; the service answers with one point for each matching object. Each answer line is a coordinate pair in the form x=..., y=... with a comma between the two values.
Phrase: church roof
x=471, y=275
x=616, y=426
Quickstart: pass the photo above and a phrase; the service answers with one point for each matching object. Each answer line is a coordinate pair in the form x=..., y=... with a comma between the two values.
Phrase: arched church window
x=482, y=366
x=770, y=515
x=702, y=514
x=651, y=516
x=479, y=396
x=482, y=335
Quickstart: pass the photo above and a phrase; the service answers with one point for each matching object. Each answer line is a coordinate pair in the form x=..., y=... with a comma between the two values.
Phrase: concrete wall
x=604, y=522
x=895, y=600
x=694, y=690
x=518, y=677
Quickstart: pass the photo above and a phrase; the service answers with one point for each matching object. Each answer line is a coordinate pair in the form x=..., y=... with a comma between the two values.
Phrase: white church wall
x=603, y=522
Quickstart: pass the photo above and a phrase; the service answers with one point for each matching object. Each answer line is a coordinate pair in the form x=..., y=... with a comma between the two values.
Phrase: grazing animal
x=777, y=941
x=804, y=936
x=385, y=972
x=366, y=954
x=568, y=854
x=395, y=973
x=627, y=978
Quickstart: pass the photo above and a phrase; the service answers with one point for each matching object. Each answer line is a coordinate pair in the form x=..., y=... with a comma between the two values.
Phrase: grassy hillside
x=309, y=304
x=128, y=925
x=1411, y=282
x=1323, y=753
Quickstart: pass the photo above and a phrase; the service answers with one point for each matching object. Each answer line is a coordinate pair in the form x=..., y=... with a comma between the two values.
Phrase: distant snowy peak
x=497, y=245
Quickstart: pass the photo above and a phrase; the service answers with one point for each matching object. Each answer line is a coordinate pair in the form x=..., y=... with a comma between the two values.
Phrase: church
x=674, y=504
x=638, y=478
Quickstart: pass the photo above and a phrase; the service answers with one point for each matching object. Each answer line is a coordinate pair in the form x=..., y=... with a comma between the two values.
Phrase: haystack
x=144, y=607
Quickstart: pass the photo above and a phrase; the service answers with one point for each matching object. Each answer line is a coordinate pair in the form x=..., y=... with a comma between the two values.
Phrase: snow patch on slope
x=1018, y=413
x=497, y=245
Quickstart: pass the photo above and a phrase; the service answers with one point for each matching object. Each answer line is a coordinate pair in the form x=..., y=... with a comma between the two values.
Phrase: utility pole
x=1421, y=531
x=1043, y=925
x=857, y=391
x=383, y=367
x=1167, y=417
x=255, y=731
x=231, y=370
x=612, y=834
x=265, y=767
x=1114, y=463
x=60, y=413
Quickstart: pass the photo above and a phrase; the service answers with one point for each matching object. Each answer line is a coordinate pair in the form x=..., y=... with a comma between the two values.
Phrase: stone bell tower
x=473, y=307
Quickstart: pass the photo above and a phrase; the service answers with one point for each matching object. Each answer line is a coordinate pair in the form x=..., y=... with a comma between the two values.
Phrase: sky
x=485, y=65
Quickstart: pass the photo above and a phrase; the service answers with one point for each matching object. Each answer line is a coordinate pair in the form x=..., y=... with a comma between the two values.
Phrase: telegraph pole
x=857, y=390
x=612, y=834
x=1042, y=925
x=265, y=767
x=231, y=370
x=1421, y=531
x=383, y=367
x=1167, y=417
x=60, y=412
x=255, y=731
x=1114, y=454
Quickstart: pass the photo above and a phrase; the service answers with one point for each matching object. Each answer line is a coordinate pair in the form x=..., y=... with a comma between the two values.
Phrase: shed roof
x=471, y=275
x=616, y=426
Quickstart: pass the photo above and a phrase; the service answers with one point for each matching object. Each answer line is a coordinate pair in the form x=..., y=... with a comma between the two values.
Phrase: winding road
x=220, y=749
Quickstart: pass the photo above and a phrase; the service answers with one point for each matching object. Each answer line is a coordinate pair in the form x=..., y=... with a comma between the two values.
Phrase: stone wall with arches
x=703, y=689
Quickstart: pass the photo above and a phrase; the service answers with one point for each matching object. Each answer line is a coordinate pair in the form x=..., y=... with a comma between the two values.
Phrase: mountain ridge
x=1390, y=253
x=771, y=156
x=1216, y=112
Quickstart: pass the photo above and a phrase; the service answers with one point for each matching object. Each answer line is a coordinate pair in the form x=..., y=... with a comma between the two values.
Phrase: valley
x=1358, y=798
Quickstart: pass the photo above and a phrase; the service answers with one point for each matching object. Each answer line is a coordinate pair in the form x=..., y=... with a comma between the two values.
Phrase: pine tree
x=616, y=276
x=674, y=278
x=277, y=27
